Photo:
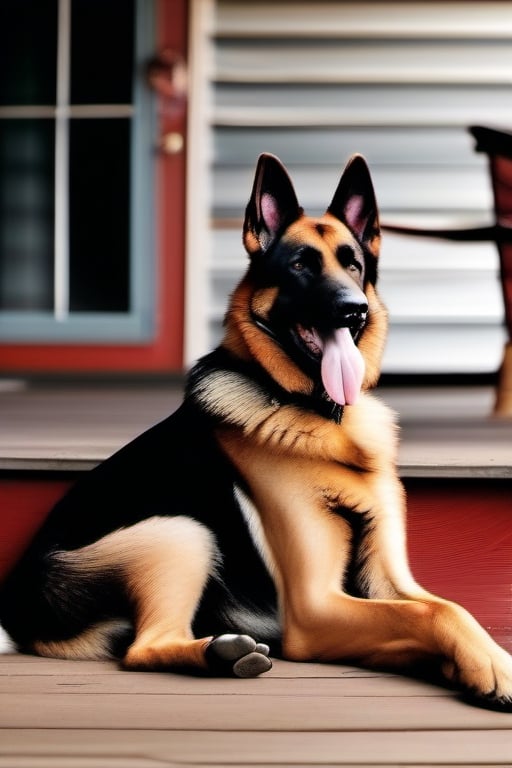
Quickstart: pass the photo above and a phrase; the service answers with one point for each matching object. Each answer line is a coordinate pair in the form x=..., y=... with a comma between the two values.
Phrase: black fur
x=39, y=601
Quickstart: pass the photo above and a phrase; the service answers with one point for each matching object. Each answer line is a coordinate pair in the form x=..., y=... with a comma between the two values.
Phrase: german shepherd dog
x=265, y=516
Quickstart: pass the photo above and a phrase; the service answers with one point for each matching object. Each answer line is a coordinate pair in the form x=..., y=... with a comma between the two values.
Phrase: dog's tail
x=106, y=640
x=55, y=605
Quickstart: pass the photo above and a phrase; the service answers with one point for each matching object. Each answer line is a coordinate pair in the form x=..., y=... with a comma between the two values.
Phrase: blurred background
x=129, y=134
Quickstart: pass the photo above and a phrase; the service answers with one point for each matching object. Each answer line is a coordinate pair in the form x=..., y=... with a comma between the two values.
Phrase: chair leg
x=503, y=401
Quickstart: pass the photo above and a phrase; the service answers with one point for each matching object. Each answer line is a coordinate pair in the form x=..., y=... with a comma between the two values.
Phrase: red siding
x=460, y=545
x=24, y=504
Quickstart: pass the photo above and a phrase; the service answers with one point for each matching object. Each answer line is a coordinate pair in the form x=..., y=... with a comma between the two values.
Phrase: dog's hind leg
x=166, y=564
x=159, y=567
x=166, y=580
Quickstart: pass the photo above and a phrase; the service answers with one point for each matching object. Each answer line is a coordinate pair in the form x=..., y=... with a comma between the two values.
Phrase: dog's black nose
x=349, y=310
x=354, y=310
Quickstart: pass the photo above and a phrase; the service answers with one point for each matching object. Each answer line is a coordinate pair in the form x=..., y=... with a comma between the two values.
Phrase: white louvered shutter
x=315, y=82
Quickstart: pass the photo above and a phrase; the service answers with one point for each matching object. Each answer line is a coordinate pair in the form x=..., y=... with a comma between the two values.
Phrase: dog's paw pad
x=262, y=648
x=238, y=655
x=252, y=665
x=232, y=647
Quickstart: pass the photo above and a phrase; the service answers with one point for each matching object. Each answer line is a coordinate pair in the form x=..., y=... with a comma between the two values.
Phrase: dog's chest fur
x=287, y=462
x=310, y=484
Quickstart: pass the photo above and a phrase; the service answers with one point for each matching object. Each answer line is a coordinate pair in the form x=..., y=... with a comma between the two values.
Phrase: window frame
x=62, y=324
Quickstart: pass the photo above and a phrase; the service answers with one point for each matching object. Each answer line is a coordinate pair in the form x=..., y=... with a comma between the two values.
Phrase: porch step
x=445, y=432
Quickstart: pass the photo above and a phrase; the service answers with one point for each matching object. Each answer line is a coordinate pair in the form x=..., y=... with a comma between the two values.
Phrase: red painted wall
x=24, y=503
x=460, y=546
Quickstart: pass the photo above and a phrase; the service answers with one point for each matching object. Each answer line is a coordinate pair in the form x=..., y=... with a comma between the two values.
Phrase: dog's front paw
x=498, y=695
x=487, y=681
x=238, y=655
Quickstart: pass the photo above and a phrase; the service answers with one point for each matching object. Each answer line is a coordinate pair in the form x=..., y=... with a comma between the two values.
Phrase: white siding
x=314, y=83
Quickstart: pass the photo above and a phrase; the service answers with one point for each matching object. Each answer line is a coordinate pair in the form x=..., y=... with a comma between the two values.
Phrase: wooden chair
x=497, y=145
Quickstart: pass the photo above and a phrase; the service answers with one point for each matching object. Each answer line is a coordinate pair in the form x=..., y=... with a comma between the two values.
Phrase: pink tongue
x=342, y=367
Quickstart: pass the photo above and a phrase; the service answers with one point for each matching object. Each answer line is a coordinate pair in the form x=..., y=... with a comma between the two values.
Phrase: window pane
x=99, y=215
x=102, y=45
x=28, y=52
x=26, y=214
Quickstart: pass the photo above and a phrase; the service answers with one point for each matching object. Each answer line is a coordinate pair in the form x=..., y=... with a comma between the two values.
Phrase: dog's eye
x=305, y=260
x=348, y=259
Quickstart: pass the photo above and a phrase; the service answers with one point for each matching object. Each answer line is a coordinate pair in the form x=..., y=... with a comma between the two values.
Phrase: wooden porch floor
x=74, y=714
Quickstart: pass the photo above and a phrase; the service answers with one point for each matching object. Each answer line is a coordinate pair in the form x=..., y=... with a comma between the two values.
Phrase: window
x=76, y=124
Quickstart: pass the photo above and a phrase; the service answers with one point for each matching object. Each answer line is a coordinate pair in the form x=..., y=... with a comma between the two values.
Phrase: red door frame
x=164, y=353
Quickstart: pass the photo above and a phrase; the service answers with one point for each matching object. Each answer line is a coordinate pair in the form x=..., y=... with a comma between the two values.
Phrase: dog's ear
x=354, y=203
x=272, y=206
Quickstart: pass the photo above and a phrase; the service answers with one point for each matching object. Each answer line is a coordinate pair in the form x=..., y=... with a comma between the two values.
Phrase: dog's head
x=307, y=309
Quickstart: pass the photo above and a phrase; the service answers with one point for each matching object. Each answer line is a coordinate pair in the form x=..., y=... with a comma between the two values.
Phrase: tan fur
x=166, y=583
x=247, y=340
x=373, y=340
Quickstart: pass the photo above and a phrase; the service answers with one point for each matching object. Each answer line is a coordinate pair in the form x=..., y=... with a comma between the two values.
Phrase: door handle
x=166, y=75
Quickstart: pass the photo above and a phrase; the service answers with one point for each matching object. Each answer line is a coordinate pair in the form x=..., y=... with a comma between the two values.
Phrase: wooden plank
x=74, y=423
x=78, y=761
x=249, y=748
x=22, y=664
x=173, y=685
x=74, y=428
x=250, y=711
